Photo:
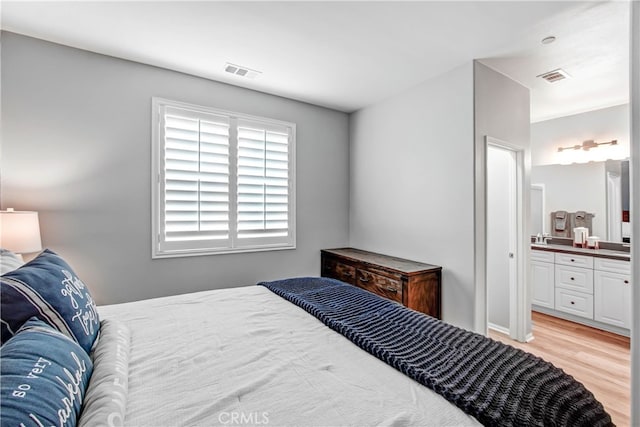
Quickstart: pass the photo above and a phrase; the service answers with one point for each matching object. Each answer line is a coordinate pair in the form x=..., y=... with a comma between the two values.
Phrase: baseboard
x=582, y=320
x=499, y=328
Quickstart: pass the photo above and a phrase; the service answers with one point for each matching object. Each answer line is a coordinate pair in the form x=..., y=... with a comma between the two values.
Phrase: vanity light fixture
x=587, y=145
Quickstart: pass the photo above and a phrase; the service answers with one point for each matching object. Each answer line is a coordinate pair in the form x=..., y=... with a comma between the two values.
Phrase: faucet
x=542, y=239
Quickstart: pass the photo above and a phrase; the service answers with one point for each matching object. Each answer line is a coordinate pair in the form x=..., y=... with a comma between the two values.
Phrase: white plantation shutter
x=196, y=170
x=263, y=181
x=224, y=181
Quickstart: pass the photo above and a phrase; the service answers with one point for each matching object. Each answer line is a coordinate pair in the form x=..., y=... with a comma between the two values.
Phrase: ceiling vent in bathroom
x=555, y=75
x=241, y=71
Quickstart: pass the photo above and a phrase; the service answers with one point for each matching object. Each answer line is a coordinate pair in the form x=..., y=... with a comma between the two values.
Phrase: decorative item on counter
x=593, y=242
x=580, y=235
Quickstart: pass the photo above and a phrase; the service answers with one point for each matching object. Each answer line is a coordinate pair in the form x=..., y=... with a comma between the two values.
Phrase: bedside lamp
x=20, y=231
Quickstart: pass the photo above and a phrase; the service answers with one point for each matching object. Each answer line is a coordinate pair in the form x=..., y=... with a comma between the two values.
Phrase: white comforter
x=245, y=356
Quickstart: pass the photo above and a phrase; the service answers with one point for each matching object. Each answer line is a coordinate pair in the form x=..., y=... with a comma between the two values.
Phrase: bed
x=283, y=353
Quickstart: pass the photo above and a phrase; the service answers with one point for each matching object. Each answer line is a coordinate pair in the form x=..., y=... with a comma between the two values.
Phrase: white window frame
x=160, y=249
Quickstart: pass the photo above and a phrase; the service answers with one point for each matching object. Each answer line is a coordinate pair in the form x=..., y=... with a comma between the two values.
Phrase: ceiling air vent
x=555, y=75
x=241, y=71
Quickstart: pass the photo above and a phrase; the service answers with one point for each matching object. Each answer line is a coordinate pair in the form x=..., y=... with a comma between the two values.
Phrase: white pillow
x=105, y=401
x=9, y=261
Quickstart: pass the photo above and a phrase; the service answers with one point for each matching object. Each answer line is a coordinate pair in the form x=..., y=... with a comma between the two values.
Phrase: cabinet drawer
x=574, y=260
x=576, y=303
x=573, y=278
x=612, y=265
x=338, y=270
x=542, y=256
x=380, y=285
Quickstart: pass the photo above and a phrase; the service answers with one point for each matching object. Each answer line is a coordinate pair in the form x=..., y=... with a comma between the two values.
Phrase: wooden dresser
x=414, y=284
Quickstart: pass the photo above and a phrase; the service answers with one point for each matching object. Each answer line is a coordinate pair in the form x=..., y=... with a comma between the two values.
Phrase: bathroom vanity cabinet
x=543, y=278
x=588, y=289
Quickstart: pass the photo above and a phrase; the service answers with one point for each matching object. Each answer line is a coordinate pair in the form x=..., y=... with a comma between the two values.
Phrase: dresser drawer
x=542, y=256
x=574, y=278
x=612, y=265
x=380, y=285
x=338, y=270
x=574, y=260
x=576, y=303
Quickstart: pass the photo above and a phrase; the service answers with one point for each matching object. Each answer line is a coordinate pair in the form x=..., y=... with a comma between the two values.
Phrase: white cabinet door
x=542, y=274
x=612, y=302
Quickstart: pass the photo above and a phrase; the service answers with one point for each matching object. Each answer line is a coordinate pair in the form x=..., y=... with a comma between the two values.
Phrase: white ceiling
x=347, y=55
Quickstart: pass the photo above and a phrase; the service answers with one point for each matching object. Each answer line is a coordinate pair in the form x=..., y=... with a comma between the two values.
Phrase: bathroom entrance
x=505, y=266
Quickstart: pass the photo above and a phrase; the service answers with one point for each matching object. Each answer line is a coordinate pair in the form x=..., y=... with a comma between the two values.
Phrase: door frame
x=541, y=188
x=614, y=206
x=520, y=301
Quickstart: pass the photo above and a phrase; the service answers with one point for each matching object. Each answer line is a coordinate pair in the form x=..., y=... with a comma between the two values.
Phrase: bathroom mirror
x=601, y=188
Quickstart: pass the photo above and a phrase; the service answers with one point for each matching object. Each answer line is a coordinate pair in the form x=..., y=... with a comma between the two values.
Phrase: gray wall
x=76, y=141
x=412, y=182
x=501, y=111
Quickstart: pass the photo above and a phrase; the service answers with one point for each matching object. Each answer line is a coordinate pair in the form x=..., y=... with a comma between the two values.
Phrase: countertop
x=598, y=253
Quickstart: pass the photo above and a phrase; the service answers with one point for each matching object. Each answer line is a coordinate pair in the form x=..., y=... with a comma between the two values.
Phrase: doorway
x=505, y=254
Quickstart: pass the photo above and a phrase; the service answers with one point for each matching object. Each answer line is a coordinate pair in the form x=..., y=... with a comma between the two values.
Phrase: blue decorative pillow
x=48, y=289
x=44, y=377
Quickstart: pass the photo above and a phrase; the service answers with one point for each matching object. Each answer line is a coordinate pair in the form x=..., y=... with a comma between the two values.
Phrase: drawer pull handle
x=364, y=279
x=573, y=260
x=389, y=289
x=626, y=282
x=573, y=278
x=572, y=302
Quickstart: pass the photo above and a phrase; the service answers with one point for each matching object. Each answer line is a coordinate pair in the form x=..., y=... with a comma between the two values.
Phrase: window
x=222, y=182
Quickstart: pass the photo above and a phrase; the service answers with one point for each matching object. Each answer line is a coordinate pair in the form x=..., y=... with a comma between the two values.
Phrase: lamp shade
x=20, y=231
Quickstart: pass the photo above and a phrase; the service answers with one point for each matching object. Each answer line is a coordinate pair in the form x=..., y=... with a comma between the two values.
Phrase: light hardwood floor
x=598, y=359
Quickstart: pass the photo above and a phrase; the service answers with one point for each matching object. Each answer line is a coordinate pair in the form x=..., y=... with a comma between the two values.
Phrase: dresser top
x=393, y=263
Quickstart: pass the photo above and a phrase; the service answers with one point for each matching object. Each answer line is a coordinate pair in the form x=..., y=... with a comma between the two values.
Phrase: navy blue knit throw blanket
x=497, y=384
